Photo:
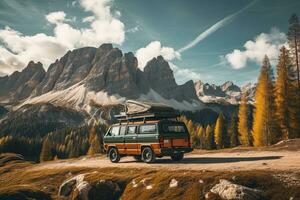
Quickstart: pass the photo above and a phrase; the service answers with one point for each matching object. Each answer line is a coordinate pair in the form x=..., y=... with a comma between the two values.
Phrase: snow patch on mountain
x=80, y=97
x=184, y=105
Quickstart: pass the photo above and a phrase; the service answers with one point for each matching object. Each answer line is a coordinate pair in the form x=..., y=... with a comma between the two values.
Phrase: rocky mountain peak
x=19, y=85
x=230, y=86
x=35, y=66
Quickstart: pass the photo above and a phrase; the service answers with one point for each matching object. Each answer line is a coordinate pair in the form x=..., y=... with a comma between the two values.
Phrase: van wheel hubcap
x=113, y=155
x=148, y=155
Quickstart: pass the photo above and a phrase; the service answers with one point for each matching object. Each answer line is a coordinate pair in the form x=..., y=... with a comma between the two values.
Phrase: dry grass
x=284, y=145
x=18, y=180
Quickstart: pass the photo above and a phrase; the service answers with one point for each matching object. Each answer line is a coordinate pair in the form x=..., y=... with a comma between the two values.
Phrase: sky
x=212, y=41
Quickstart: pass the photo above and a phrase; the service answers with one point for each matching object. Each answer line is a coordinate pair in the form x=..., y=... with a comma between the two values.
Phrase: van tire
x=148, y=155
x=137, y=158
x=177, y=157
x=114, y=155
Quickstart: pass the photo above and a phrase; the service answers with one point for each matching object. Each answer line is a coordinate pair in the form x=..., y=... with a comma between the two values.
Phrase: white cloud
x=88, y=19
x=254, y=50
x=183, y=75
x=154, y=49
x=56, y=17
x=18, y=49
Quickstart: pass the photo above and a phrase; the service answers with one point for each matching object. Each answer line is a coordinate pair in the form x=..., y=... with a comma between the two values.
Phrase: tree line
x=61, y=144
x=276, y=109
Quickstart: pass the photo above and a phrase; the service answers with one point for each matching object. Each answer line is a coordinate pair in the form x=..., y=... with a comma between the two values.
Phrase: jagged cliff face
x=20, y=85
x=104, y=75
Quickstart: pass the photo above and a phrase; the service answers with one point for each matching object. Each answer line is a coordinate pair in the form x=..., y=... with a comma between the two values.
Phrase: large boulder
x=77, y=188
x=228, y=190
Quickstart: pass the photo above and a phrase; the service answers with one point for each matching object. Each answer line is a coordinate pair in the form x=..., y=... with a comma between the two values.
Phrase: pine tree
x=46, y=152
x=282, y=88
x=244, y=136
x=219, y=131
x=209, y=137
x=293, y=37
x=201, y=135
x=264, y=119
x=233, y=131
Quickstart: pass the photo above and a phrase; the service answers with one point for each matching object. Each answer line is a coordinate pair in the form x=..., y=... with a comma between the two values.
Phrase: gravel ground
x=217, y=161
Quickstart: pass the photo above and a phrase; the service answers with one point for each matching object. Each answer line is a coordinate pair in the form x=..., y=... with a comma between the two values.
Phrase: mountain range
x=92, y=83
x=104, y=76
x=101, y=75
x=227, y=93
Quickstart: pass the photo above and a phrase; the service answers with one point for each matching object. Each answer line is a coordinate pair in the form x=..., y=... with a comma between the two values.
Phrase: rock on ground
x=228, y=190
x=77, y=185
x=79, y=189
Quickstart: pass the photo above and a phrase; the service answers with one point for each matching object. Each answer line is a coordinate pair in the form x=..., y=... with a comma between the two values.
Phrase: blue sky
x=166, y=24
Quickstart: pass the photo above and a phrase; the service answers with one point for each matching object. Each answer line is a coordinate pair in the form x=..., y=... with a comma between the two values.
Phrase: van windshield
x=174, y=128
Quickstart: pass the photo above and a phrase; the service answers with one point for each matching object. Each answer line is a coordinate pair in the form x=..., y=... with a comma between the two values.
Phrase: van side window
x=131, y=130
x=114, y=130
x=147, y=129
x=122, y=130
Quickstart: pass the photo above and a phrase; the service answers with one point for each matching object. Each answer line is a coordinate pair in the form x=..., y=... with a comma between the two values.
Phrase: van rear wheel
x=114, y=155
x=177, y=157
x=148, y=155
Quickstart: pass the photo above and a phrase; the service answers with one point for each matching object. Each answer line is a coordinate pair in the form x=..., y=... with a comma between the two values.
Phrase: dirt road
x=221, y=161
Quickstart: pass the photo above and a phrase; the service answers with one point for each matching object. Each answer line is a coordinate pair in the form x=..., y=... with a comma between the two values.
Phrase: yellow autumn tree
x=243, y=130
x=46, y=152
x=94, y=141
x=219, y=128
x=282, y=88
x=263, y=118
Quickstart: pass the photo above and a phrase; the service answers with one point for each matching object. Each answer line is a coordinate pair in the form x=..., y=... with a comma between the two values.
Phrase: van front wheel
x=177, y=157
x=114, y=155
x=148, y=155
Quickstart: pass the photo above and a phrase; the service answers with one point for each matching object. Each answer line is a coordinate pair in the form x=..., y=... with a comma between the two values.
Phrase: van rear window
x=174, y=128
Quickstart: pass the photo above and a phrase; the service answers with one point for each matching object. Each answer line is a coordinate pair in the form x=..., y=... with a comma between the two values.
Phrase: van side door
x=131, y=140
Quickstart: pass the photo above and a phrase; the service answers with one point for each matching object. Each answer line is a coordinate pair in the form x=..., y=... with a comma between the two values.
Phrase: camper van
x=147, y=131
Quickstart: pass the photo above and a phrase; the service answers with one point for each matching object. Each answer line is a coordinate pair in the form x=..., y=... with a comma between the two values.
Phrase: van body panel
x=165, y=138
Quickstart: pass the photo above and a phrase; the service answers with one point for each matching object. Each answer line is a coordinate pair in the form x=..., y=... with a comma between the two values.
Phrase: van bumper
x=175, y=150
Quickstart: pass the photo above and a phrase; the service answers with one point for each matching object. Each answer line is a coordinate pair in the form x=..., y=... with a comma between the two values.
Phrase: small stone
x=201, y=181
x=173, y=183
x=234, y=178
x=148, y=187
x=211, y=196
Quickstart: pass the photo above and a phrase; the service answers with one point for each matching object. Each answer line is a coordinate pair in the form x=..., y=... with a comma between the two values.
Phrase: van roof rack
x=142, y=111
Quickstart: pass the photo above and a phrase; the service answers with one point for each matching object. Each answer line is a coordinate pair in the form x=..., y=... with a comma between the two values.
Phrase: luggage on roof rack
x=135, y=110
